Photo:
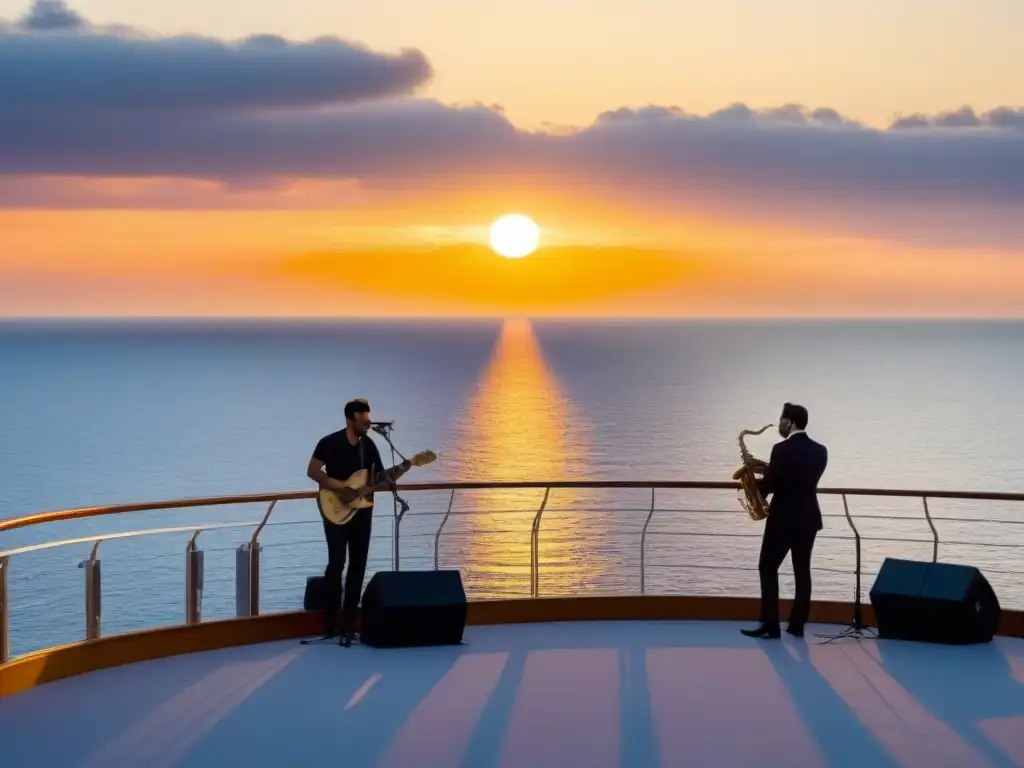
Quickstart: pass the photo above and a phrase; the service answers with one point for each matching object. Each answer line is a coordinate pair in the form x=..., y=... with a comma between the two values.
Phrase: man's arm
x=769, y=481
x=315, y=470
x=389, y=476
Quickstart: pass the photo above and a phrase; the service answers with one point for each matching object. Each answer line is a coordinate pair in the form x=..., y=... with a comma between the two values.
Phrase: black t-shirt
x=341, y=458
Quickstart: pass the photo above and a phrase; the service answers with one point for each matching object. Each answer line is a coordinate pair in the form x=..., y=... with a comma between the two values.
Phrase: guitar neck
x=379, y=488
x=390, y=478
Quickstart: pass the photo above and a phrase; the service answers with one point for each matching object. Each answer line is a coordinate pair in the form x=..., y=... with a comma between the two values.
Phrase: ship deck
x=619, y=693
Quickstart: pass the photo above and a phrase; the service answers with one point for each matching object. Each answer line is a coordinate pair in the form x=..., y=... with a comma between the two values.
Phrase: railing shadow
x=919, y=670
x=167, y=708
x=821, y=708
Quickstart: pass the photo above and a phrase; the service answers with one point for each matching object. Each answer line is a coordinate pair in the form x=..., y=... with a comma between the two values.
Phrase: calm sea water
x=109, y=413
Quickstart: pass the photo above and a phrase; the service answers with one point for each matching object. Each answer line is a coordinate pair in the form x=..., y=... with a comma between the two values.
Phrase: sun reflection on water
x=520, y=426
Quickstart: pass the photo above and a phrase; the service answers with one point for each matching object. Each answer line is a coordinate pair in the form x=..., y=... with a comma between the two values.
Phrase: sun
x=514, y=236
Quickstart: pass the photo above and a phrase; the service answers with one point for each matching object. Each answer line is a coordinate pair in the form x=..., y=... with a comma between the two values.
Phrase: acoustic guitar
x=340, y=512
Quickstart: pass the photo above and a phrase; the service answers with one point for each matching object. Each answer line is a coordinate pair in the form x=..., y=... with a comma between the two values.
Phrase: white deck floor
x=584, y=695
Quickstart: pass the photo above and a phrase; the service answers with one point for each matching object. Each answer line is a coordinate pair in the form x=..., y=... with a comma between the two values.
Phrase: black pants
x=776, y=543
x=355, y=537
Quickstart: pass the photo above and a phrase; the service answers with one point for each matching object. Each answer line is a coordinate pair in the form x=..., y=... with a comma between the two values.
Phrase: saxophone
x=751, y=499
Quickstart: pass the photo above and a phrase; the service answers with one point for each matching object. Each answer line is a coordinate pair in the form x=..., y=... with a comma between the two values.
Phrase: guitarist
x=334, y=459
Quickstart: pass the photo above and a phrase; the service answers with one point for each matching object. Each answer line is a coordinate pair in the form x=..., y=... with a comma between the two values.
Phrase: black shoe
x=769, y=631
x=346, y=639
x=317, y=640
x=796, y=630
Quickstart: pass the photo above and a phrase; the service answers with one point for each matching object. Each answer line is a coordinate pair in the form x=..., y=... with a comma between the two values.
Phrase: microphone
x=381, y=427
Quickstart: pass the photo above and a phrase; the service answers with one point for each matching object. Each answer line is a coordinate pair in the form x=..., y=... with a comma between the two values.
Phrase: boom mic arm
x=383, y=428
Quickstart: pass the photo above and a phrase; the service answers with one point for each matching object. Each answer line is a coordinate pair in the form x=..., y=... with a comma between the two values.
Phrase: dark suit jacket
x=791, y=479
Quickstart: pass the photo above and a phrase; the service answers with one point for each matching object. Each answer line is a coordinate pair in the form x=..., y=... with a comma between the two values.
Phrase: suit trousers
x=779, y=540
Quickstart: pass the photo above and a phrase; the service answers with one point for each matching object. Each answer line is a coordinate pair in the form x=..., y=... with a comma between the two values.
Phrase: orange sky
x=307, y=263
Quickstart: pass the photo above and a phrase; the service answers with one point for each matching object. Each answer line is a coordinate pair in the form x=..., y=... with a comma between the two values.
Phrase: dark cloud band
x=56, y=64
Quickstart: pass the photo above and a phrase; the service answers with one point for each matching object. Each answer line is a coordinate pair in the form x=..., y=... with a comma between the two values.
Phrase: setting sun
x=514, y=236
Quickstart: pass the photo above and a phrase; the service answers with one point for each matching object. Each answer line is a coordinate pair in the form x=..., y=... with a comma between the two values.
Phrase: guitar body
x=337, y=511
x=340, y=512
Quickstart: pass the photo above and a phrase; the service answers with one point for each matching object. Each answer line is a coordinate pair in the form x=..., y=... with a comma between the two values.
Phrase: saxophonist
x=794, y=518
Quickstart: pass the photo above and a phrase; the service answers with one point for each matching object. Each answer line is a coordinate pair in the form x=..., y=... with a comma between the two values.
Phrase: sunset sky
x=708, y=158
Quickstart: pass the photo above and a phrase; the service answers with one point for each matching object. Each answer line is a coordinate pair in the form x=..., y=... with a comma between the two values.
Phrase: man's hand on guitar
x=347, y=495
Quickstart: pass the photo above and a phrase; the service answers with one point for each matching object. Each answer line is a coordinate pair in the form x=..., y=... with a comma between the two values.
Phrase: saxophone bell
x=750, y=497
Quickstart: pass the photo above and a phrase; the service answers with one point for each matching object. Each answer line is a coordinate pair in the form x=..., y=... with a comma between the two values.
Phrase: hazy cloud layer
x=201, y=108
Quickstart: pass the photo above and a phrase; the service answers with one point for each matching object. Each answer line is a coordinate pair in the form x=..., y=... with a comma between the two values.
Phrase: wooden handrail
x=40, y=518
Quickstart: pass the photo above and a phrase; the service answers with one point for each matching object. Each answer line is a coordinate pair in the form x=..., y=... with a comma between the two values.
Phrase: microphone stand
x=401, y=506
x=857, y=630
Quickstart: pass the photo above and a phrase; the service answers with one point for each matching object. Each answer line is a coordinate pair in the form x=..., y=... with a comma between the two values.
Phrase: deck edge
x=58, y=663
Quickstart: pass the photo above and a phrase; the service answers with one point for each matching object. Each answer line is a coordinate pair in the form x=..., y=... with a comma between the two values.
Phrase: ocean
x=112, y=412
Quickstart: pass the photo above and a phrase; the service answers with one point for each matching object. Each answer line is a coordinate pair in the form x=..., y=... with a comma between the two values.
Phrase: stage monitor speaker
x=934, y=603
x=316, y=594
x=412, y=608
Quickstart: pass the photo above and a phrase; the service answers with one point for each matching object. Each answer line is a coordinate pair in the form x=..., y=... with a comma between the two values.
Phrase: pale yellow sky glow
x=564, y=62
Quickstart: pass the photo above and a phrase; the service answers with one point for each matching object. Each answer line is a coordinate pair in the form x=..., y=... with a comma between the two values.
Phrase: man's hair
x=796, y=414
x=353, y=407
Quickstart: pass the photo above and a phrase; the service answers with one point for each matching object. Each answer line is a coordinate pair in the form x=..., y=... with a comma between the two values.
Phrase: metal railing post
x=535, y=546
x=396, y=531
x=93, y=594
x=935, y=533
x=856, y=556
x=643, y=546
x=193, y=581
x=396, y=534
x=247, y=579
x=396, y=523
x=254, y=562
x=247, y=571
x=5, y=648
x=243, y=583
x=437, y=536
x=254, y=578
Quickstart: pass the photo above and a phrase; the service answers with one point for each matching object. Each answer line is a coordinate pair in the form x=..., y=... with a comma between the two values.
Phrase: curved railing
x=1007, y=533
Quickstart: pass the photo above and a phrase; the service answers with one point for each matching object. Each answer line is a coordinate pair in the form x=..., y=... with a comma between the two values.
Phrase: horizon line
x=296, y=319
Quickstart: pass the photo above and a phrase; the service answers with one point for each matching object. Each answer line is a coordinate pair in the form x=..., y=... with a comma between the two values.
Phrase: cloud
x=965, y=117
x=664, y=149
x=49, y=15
x=56, y=66
x=80, y=101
